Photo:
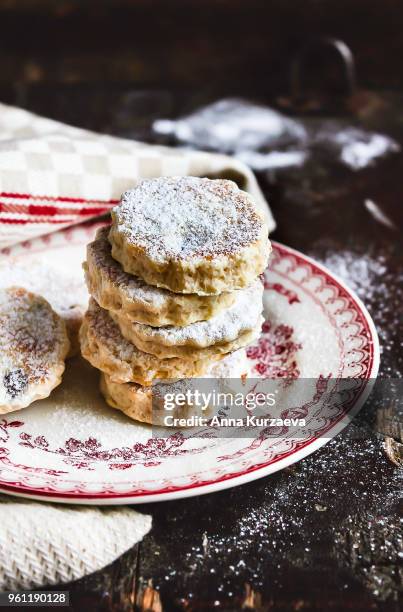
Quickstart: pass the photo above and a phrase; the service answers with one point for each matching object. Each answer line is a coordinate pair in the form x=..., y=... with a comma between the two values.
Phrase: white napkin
x=53, y=175
x=45, y=544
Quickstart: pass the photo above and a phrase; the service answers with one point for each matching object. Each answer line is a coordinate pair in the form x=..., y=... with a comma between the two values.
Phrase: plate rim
x=229, y=481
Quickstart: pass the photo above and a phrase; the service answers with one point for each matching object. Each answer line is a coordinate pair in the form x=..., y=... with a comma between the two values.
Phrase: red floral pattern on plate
x=83, y=454
x=296, y=282
x=274, y=357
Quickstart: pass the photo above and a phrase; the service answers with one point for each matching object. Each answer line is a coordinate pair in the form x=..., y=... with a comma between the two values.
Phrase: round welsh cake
x=231, y=329
x=103, y=345
x=130, y=297
x=190, y=235
x=140, y=403
x=34, y=345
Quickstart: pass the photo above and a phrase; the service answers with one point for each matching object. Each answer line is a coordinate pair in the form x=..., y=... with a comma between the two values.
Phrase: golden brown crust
x=133, y=400
x=145, y=404
x=131, y=297
x=207, y=277
x=34, y=347
x=103, y=345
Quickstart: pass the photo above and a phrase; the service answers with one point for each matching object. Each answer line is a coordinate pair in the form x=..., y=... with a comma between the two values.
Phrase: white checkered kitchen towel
x=53, y=175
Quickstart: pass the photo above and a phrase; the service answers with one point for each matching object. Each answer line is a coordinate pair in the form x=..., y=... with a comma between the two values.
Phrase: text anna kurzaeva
x=279, y=408
x=200, y=406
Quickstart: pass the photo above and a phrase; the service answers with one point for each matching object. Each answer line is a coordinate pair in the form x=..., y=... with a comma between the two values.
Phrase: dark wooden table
x=323, y=534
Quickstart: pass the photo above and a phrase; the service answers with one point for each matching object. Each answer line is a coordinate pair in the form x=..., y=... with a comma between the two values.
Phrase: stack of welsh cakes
x=175, y=288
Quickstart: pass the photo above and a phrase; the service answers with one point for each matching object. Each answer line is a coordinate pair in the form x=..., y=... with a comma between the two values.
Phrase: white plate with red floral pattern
x=73, y=448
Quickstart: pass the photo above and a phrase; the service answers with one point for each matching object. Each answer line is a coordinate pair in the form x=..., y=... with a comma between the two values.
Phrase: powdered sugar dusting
x=234, y=365
x=107, y=332
x=242, y=316
x=65, y=292
x=134, y=287
x=188, y=217
x=31, y=339
x=359, y=271
x=380, y=285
